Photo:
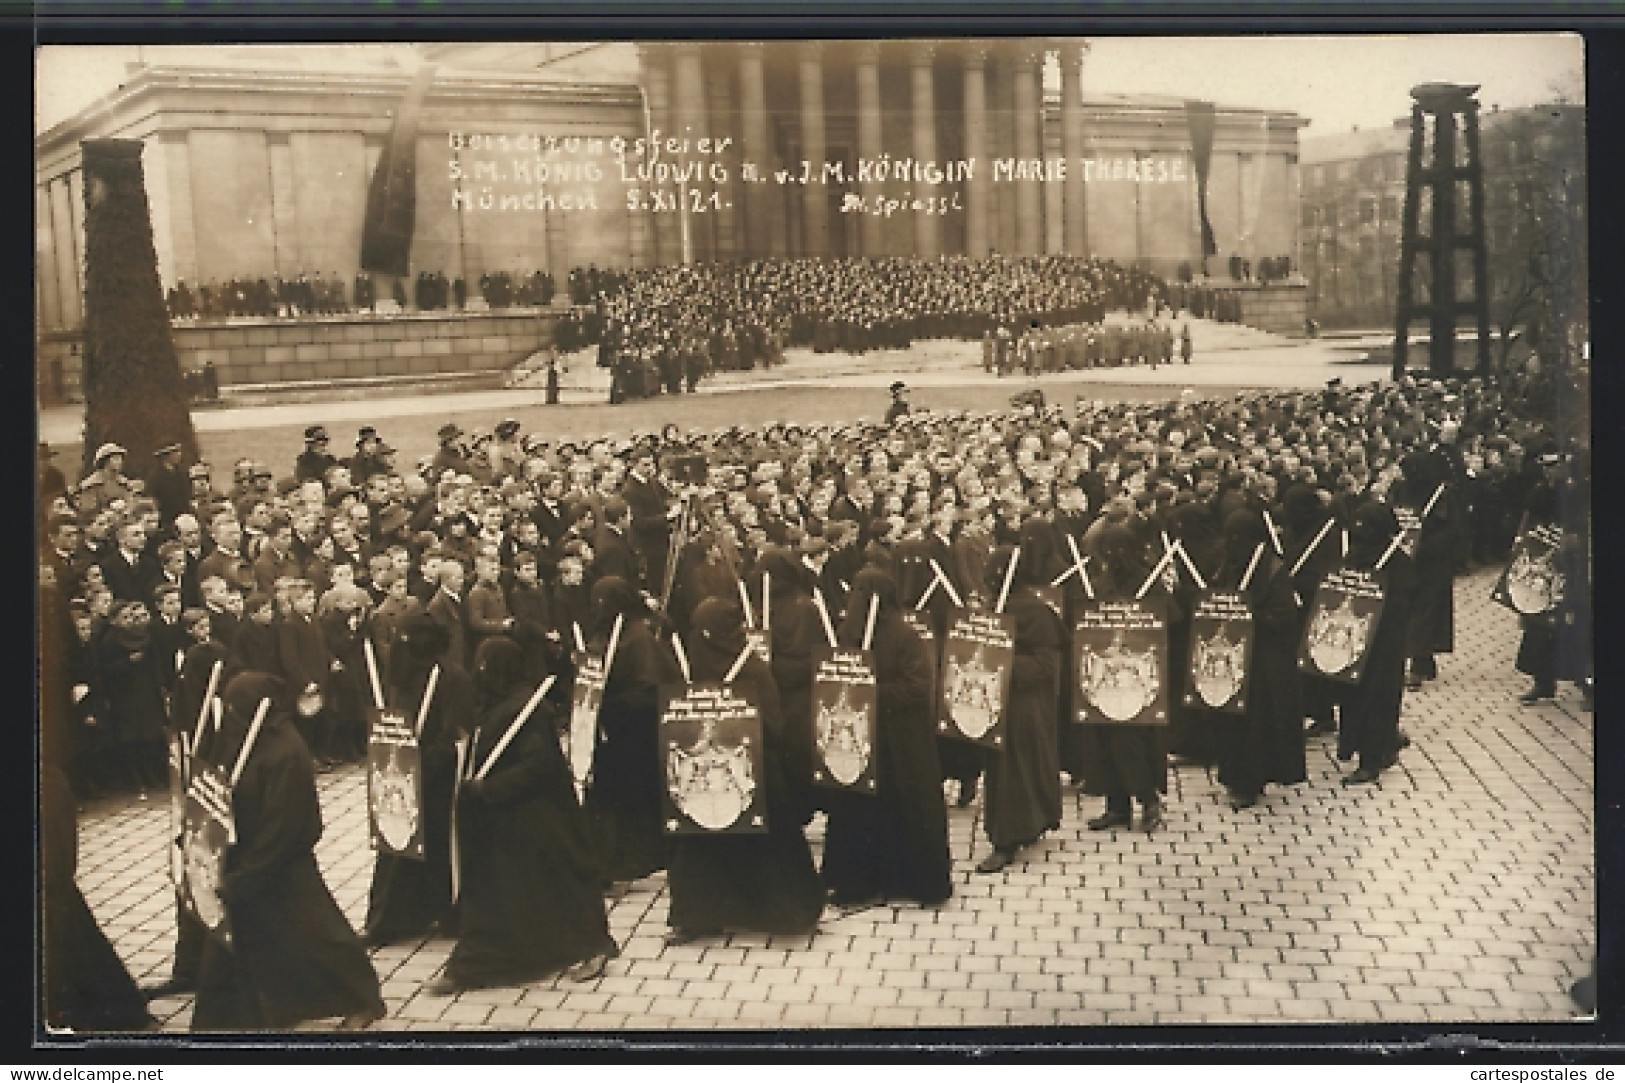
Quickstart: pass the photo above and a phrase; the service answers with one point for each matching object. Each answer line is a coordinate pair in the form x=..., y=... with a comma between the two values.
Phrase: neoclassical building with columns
x=1045, y=165
x=535, y=156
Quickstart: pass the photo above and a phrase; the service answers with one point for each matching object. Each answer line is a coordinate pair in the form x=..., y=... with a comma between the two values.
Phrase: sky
x=1340, y=83
x=1336, y=82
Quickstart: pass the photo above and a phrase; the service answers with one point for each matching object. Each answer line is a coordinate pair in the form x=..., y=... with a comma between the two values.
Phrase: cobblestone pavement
x=1459, y=889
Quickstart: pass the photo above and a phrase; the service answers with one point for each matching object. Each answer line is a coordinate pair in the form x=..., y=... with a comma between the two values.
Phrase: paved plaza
x=1457, y=890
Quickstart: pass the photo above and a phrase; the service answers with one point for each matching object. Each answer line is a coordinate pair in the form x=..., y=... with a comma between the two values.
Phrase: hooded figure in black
x=285, y=953
x=1191, y=525
x=744, y=883
x=1024, y=776
x=624, y=796
x=1433, y=608
x=1302, y=516
x=409, y=896
x=1370, y=717
x=1122, y=763
x=796, y=628
x=529, y=903
x=1265, y=744
x=87, y=987
x=892, y=844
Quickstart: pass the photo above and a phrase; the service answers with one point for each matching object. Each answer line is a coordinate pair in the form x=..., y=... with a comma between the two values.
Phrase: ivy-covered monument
x=134, y=393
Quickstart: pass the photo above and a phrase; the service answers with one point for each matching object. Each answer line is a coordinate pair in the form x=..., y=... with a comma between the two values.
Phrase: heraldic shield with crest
x=1121, y=661
x=395, y=786
x=1221, y=652
x=1343, y=617
x=976, y=661
x=207, y=833
x=711, y=760
x=580, y=738
x=844, y=706
x=1531, y=584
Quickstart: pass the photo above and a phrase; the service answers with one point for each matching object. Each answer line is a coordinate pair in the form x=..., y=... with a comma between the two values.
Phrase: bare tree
x=1537, y=229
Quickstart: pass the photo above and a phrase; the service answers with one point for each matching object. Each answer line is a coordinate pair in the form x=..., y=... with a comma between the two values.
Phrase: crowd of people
x=507, y=558
x=664, y=328
x=329, y=295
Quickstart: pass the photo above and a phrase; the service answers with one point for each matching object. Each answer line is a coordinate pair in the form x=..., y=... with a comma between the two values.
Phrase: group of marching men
x=836, y=620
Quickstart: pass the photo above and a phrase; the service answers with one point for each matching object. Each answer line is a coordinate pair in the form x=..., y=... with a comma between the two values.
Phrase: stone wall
x=1279, y=308
x=268, y=351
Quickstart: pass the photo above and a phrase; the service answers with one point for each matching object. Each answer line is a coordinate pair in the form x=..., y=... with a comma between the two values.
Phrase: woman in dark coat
x=892, y=844
x=1123, y=763
x=1370, y=717
x=408, y=897
x=624, y=795
x=285, y=953
x=744, y=883
x=530, y=905
x=796, y=628
x=1265, y=744
x=86, y=985
x=1024, y=776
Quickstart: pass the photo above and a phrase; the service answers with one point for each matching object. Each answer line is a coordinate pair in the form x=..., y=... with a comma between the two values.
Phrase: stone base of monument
x=330, y=350
x=1280, y=307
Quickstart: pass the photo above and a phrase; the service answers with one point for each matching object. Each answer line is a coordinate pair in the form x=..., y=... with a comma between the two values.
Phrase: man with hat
x=168, y=485
x=313, y=462
x=450, y=456
x=505, y=452
x=899, y=402
x=366, y=461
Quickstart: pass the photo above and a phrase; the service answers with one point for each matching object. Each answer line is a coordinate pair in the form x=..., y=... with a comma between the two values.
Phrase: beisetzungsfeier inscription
x=508, y=172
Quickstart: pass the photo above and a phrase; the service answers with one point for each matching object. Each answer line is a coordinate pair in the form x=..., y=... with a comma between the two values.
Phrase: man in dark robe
x=795, y=629
x=1122, y=763
x=285, y=952
x=624, y=795
x=1024, y=775
x=1433, y=617
x=1264, y=744
x=1370, y=715
x=87, y=987
x=893, y=844
x=744, y=882
x=529, y=903
x=408, y=897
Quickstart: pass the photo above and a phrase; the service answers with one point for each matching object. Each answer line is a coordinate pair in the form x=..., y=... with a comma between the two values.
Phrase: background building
x=258, y=161
x=1534, y=217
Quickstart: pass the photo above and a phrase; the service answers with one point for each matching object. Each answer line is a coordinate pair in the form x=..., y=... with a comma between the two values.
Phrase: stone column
x=1029, y=208
x=925, y=145
x=182, y=225
x=724, y=119
x=976, y=152
x=869, y=144
x=656, y=65
x=284, y=207
x=1075, y=230
x=815, y=198
x=756, y=150
x=691, y=123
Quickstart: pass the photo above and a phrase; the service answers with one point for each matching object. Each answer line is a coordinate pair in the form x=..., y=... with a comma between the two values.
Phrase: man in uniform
x=899, y=402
